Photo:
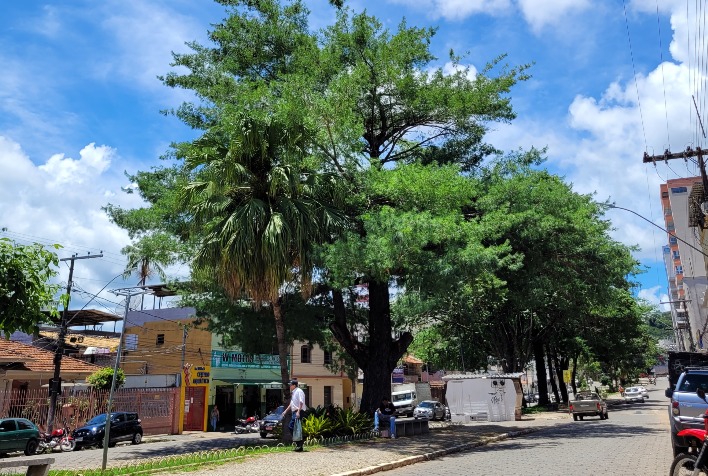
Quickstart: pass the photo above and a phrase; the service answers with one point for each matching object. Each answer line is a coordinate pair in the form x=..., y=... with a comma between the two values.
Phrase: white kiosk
x=486, y=397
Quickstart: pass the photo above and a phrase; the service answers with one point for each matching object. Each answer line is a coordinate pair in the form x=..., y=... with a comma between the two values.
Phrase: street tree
x=25, y=288
x=287, y=117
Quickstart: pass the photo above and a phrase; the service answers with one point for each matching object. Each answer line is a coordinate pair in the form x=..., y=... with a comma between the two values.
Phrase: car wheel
x=607, y=415
x=137, y=438
x=31, y=447
x=575, y=417
x=111, y=444
x=263, y=434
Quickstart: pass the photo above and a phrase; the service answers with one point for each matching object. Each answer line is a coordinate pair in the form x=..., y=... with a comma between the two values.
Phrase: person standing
x=297, y=408
x=386, y=413
x=214, y=417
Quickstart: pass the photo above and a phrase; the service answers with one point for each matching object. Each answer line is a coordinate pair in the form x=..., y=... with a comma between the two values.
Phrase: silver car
x=644, y=392
x=429, y=410
x=633, y=394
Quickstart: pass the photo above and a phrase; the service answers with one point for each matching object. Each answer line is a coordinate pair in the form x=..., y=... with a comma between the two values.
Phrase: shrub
x=350, y=422
x=314, y=426
x=102, y=378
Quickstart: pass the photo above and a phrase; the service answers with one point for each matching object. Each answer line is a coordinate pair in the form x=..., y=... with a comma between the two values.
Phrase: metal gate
x=194, y=402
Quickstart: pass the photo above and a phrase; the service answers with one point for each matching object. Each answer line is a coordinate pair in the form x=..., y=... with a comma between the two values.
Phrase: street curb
x=435, y=454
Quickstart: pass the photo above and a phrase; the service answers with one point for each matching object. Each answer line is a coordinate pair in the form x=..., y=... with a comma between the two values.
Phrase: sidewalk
x=371, y=456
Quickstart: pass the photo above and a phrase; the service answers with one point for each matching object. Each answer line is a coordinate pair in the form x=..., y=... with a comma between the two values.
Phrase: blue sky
x=80, y=102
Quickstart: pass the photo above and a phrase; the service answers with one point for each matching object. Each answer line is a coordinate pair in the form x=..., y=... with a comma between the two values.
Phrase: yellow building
x=323, y=387
x=165, y=348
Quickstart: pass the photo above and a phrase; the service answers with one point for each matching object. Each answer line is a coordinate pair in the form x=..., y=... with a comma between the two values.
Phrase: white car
x=633, y=394
x=644, y=391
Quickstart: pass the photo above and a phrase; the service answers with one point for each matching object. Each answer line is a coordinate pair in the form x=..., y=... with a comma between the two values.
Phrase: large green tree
x=25, y=290
x=370, y=108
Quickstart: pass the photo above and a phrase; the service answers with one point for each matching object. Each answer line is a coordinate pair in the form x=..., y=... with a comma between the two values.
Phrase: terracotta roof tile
x=40, y=360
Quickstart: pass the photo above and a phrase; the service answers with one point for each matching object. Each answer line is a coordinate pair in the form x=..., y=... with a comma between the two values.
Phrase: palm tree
x=260, y=210
x=148, y=255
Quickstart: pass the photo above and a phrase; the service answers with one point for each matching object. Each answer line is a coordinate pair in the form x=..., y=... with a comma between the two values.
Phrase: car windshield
x=97, y=420
x=426, y=404
x=693, y=382
x=278, y=411
x=402, y=396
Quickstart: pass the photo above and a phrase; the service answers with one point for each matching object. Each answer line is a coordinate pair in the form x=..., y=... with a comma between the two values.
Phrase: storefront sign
x=241, y=360
x=196, y=375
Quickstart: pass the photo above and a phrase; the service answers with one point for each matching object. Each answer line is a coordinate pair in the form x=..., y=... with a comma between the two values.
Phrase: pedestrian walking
x=214, y=417
x=297, y=407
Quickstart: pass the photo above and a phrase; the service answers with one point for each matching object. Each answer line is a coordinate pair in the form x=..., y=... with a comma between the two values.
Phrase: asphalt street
x=633, y=441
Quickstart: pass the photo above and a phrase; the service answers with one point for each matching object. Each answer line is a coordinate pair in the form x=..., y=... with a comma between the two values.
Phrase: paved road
x=634, y=441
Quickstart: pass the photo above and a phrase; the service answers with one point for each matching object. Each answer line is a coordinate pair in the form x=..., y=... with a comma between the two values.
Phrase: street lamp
x=612, y=205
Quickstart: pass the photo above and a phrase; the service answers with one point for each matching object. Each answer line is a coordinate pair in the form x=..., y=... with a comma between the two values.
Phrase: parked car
x=429, y=410
x=125, y=426
x=688, y=404
x=272, y=421
x=18, y=434
x=633, y=394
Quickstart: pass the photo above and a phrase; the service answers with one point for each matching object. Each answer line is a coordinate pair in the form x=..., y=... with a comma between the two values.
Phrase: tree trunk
x=378, y=357
x=284, y=371
x=541, y=380
x=559, y=374
x=551, y=373
x=574, y=375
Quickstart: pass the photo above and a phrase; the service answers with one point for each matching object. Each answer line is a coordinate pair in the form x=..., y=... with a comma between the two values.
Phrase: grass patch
x=185, y=463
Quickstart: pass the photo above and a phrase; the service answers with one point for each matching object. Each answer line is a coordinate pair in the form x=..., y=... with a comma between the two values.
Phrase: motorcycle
x=59, y=438
x=691, y=463
x=249, y=425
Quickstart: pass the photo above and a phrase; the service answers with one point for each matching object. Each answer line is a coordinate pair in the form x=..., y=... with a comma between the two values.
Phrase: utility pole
x=689, y=152
x=128, y=293
x=185, y=332
x=55, y=384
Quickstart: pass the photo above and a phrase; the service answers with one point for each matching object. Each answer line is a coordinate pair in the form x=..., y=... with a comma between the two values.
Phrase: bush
x=321, y=426
x=102, y=378
x=352, y=423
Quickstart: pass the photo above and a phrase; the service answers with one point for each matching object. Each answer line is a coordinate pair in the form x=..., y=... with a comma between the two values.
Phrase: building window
x=327, y=395
x=679, y=269
x=131, y=342
x=677, y=255
x=160, y=339
x=673, y=240
x=667, y=212
x=679, y=189
x=327, y=357
x=664, y=194
x=305, y=354
x=670, y=226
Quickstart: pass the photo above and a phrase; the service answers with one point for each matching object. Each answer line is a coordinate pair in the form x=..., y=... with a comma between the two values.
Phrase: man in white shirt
x=297, y=406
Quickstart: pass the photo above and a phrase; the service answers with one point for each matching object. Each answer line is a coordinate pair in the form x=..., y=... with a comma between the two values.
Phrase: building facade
x=685, y=265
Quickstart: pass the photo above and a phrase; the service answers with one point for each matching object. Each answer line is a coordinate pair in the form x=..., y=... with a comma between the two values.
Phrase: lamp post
x=612, y=205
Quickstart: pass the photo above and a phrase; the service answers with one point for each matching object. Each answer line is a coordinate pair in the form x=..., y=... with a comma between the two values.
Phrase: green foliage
x=318, y=426
x=323, y=422
x=350, y=422
x=25, y=271
x=103, y=378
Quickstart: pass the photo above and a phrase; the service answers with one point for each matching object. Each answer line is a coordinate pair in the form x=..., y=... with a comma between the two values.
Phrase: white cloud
x=64, y=171
x=451, y=68
x=655, y=295
x=542, y=13
x=458, y=9
x=60, y=202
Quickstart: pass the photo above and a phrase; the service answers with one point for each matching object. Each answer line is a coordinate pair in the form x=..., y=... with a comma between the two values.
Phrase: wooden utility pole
x=55, y=384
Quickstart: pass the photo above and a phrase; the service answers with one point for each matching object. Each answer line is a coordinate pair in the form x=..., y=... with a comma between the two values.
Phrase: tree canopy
x=25, y=289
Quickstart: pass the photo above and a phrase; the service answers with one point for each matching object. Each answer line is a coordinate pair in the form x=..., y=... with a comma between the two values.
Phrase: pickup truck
x=688, y=380
x=588, y=404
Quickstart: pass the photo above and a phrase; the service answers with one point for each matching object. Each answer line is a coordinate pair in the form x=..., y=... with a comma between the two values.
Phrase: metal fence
x=158, y=408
